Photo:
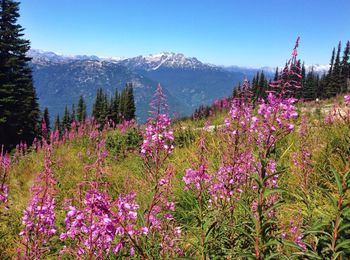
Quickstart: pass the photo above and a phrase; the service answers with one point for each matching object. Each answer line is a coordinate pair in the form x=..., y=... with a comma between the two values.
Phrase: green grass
x=328, y=144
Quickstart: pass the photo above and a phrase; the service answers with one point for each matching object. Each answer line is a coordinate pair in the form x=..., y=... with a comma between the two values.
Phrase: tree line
x=313, y=85
x=120, y=107
x=20, y=117
x=309, y=87
x=19, y=109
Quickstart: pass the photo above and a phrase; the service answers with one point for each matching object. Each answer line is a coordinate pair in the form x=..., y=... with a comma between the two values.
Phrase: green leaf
x=211, y=228
x=285, y=152
x=272, y=242
x=291, y=244
x=258, y=180
x=274, y=256
x=310, y=254
x=249, y=211
x=318, y=232
x=338, y=181
x=344, y=244
x=247, y=256
x=336, y=255
x=267, y=192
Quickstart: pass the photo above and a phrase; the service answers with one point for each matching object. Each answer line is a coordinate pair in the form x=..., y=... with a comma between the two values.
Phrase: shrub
x=119, y=143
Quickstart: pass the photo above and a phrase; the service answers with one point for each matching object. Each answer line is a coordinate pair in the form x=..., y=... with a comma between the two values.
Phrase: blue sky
x=243, y=32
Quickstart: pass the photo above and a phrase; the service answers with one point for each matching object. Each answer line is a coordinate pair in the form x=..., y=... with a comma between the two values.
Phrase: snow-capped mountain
x=41, y=57
x=157, y=61
x=164, y=60
x=188, y=82
x=318, y=68
x=269, y=71
x=148, y=62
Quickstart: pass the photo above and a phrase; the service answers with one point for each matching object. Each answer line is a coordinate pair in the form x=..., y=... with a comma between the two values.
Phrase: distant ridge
x=188, y=82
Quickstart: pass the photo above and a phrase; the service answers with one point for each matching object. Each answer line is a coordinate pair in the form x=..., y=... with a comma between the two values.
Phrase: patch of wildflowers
x=39, y=216
x=5, y=163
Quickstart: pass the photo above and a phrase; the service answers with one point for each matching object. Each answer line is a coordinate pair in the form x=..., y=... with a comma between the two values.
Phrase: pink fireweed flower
x=302, y=160
x=158, y=140
x=158, y=136
x=294, y=233
x=232, y=177
x=103, y=225
x=39, y=216
x=347, y=100
x=196, y=178
x=160, y=220
x=100, y=225
x=5, y=163
x=289, y=79
x=4, y=193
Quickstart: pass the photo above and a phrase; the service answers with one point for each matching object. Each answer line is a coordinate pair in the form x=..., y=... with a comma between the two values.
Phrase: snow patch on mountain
x=156, y=61
x=164, y=60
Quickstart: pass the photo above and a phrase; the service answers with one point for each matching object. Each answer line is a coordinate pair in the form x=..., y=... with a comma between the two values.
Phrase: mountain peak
x=164, y=60
x=44, y=57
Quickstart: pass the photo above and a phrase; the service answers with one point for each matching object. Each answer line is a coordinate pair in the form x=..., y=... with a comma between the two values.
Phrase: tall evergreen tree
x=262, y=86
x=58, y=126
x=97, y=106
x=345, y=68
x=275, y=78
x=332, y=62
x=299, y=91
x=123, y=104
x=46, y=118
x=66, y=121
x=73, y=116
x=310, y=86
x=322, y=87
x=130, y=102
x=100, y=107
x=255, y=86
x=336, y=67
x=114, y=109
x=303, y=75
x=81, y=111
x=19, y=110
x=334, y=85
x=236, y=89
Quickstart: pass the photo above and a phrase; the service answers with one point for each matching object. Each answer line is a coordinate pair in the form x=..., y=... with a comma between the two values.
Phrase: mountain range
x=187, y=82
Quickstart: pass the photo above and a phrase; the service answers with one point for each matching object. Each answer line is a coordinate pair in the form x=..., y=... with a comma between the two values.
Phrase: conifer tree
x=73, y=116
x=130, y=102
x=236, y=90
x=332, y=62
x=322, y=87
x=97, y=106
x=81, y=111
x=19, y=110
x=114, y=110
x=122, y=104
x=66, y=119
x=275, y=78
x=310, y=86
x=345, y=68
x=46, y=118
x=45, y=124
x=255, y=86
x=336, y=67
x=299, y=91
x=334, y=85
x=303, y=75
x=262, y=86
x=101, y=107
x=58, y=125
